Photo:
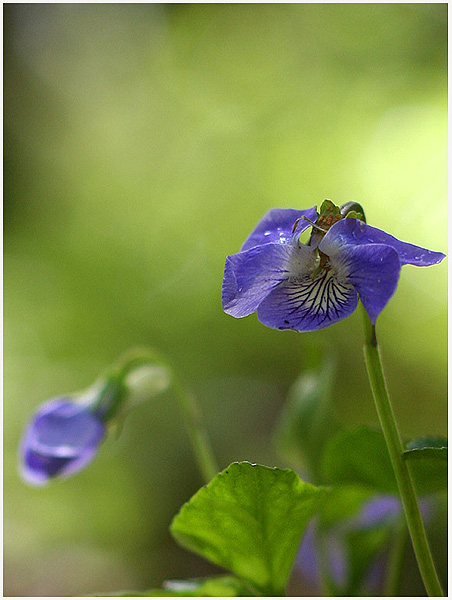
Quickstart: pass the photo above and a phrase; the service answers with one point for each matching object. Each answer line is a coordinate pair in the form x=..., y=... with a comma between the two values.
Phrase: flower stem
x=396, y=557
x=401, y=471
x=190, y=410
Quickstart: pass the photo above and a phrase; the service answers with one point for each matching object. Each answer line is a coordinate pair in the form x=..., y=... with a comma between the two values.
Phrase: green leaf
x=363, y=547
x=429, y=447
x=249, y=519
x=221, y=586
x=307, y=419
x=361, y=457
x=344, y=501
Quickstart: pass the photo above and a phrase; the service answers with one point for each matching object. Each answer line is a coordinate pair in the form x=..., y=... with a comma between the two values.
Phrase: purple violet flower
x=61, y=438
x=305, y=287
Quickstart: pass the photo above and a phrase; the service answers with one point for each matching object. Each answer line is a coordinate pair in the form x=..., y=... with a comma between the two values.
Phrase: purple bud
x=379, y=511
x=61, y=438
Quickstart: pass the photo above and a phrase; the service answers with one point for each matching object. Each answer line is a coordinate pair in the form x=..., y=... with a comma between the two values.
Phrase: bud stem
x=198, y=436
x=187, y=402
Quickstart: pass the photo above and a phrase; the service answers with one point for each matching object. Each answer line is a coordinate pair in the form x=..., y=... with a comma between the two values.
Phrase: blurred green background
x=142, y=143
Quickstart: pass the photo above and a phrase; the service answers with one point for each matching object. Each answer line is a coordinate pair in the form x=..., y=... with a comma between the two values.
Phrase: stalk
x=198, y=437
x=401, y=471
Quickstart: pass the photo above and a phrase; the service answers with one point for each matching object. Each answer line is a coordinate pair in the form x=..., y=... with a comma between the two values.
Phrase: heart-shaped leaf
x=249, y=519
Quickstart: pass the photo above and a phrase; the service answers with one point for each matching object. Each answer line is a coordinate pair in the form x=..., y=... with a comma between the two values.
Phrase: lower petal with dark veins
x=308, y=304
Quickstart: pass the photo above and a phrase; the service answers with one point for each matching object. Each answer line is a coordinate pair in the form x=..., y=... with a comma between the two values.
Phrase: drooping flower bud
x=64, y=434
x=61, y=438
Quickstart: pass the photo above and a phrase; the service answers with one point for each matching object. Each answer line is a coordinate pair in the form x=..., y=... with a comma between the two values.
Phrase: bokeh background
x=142, y=143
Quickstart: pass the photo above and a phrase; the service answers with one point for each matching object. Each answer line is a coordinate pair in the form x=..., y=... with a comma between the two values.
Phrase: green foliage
x=358, y=546
x=249, y=519
x=344, y=501
x=360, y=456
x=221, y=586
x=357, y=463
x=307, y=419
x=363, y=545
x=427, y=448
x=132, y=167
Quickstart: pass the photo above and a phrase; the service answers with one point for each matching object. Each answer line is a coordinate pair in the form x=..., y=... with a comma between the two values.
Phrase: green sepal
x=109, y=397
x=249, y=520
x=138, y=375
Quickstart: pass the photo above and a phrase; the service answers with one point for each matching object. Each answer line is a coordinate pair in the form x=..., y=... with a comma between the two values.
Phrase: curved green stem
x=190, y=410
x=134, y=359
x=401, y=470
x=198, y=436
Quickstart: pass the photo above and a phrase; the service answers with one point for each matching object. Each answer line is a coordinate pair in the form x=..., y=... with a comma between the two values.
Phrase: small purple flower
x=61, y=438
x=305, y=287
